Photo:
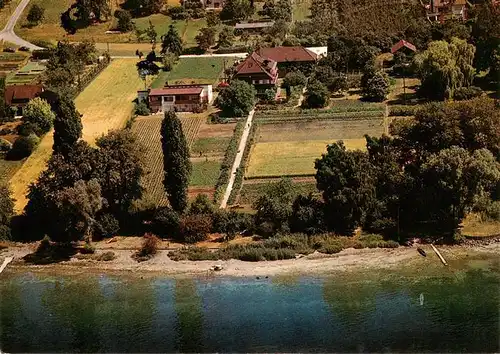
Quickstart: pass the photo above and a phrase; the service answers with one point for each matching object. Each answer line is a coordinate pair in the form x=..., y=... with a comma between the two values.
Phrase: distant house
x=213, y=4
x=255, y=27
x=179, y=98
x=19, y=95
x=258, y=71
x=442, y=10
x=290, y=57
x=403, y=46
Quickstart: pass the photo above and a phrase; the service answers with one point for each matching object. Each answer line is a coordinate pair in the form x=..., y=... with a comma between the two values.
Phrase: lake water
x=456, y=311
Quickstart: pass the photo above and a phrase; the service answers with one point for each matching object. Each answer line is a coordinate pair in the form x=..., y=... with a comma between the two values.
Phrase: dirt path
x=8, y=34
x=238, y=158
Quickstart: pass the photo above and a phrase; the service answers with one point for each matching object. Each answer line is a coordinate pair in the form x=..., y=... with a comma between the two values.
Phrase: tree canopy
x=236, y=100
x=176, y=163
x=171, y=42
x=67, y=125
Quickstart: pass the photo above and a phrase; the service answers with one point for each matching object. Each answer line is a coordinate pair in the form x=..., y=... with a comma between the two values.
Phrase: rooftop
x=254, y=25
x=176, y=91
x=255, y=64
x=21, y=92
x=288, y=54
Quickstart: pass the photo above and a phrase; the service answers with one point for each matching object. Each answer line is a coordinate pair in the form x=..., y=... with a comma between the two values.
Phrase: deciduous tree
x=125, y=23
x=36, y=14
x=226, y=37
x=236, y=100
x=39, y=115
x=316, y=95
x=206, y=38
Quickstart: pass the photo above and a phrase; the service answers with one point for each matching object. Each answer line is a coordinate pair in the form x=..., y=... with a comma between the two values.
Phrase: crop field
x=290, y=148
x=106, y=104
x=148, y=134
x=27, y=74
x=207, y=142
x=10, y=62
x=194, y=70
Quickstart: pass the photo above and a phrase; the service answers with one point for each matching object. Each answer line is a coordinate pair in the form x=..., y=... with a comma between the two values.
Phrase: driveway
x=8, y=34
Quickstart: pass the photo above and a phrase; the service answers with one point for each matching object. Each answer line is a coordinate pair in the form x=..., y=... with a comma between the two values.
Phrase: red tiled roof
x=288, y=54
x=176, y=91
x=21, y=92
x=402, y=43
x=255, y=64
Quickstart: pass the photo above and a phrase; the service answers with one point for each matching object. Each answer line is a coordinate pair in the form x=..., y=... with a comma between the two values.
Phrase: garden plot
x=290, y=149
x=194, y=70
x=207, y=142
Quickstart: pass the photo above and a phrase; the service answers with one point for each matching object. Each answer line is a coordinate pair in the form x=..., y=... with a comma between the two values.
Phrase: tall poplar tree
x=67, y=125
x=176, y=163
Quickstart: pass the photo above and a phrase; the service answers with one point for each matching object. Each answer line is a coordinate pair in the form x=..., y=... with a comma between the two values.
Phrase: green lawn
x=205, y=173
x=193, y=70
x=210, y=145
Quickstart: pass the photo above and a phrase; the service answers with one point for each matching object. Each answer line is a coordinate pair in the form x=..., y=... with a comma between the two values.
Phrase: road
x=238, y=158
x=8, y=34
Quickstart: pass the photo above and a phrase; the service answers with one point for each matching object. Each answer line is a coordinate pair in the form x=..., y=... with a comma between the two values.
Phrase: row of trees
x=424, y=179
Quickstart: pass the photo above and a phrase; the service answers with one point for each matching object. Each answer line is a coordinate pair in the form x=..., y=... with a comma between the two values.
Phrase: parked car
x=24, y=49
x=9, y=50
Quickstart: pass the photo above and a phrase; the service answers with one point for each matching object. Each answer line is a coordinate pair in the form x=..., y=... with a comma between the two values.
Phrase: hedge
x=240, y=172
x=227, y=163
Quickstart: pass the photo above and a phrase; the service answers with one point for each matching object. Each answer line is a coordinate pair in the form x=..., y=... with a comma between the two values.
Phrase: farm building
x=179, y=98
x=403, y=46
x=19, y=95
x=212, y=4
x=255, y=27
x=442, y=10
x=259, y=71
x=290, y=58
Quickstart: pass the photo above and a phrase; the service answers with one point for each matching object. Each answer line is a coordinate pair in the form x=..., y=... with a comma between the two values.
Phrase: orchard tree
x=236, y=100
x=36, y=14
x=280, y=10
x=67, y=125
x=142, y=8
x=124, y=18
x=237, y=10
x=39, y=116
x=444, y=67
x=226, y=37
x=171, y=42
x=6, y=212
x=176, y=163
x=344, y=179
x=89, y=10
x=375, y=87
x=206, y=38
x=316, y=95
x=213, y=19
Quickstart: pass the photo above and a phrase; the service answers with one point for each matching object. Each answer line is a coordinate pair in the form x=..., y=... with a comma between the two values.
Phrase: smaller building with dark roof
x=19, y=95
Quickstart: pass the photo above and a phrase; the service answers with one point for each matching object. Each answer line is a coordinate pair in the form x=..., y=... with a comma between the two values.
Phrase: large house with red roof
x=442, y=10
x=258, y=71
x=178, y=98
x=290, y=58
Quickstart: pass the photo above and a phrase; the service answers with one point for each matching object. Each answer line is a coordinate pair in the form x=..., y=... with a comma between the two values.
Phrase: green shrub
x=195, y=228
x=467, y=93
x=193, y=254
x=23, y=147
x=5, y=146
x=5, y=234
x=402, y=111
x=166, y=222
x=87, y=249
x=106, y=256
x=148, y=249
x=142, y=109
x=106, y=226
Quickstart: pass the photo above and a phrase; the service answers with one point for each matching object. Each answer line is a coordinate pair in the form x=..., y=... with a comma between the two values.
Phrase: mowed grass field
x=106, y=104
x=51, y=30
x=206, y=158
x=7, y=11
x=290, y=149
x=193, y=70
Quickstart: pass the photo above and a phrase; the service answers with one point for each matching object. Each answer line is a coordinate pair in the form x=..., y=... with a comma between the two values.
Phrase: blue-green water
x=457, y=311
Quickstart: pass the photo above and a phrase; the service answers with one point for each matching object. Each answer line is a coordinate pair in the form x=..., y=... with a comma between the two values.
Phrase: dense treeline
x=425, y=178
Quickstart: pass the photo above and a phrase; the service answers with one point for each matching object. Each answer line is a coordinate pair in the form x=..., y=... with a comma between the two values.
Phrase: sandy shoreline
x=313, y=264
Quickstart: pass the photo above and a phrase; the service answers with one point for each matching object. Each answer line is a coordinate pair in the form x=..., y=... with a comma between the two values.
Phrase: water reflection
x=100, y=313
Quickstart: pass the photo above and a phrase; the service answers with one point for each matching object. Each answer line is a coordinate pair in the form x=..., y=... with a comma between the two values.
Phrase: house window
x=169, y=98
x=255, y=82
